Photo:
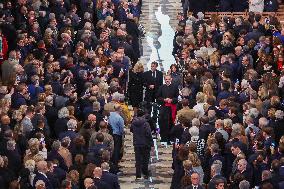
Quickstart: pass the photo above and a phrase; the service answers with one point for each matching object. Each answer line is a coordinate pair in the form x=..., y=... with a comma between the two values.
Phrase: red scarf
x=279, y=65
x=174, y=110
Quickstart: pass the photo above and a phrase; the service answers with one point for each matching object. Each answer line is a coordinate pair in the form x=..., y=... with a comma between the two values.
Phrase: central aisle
x=159, y=20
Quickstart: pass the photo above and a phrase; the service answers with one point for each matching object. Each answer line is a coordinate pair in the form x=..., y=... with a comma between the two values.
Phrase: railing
x=208, y=15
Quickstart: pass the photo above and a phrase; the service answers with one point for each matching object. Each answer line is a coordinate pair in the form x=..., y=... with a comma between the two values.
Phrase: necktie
x=154, y=74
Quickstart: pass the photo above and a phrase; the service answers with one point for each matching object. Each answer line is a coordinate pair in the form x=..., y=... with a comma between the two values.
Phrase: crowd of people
x=64, y=72
x=228, y=131
x=230, y=5
x=70, y=68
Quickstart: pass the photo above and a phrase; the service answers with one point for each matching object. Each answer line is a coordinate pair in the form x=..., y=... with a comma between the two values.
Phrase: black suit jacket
x=101, y=184
x=40, y=176
x=211, y=184
x=191, y=187
x=111, y=179
x=150, y=80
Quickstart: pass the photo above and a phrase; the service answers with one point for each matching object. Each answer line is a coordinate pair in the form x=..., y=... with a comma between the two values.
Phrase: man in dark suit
x=254, y=34
x=54, y=155
x=142, y=142
x=98, y=182
x=109, y=178
x=71, y=126
x=41, y=174
x=153, y=80
x=167, y=97
x=216, y=169
x=195, y=178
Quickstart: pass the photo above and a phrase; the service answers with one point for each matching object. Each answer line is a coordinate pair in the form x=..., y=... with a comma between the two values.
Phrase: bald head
x=97, y=172
x=42, y=166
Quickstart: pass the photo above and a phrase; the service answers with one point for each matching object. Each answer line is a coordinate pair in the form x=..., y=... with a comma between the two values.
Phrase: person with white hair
x=195, y=138
x=108, y=177
x=278, y=125
x=61, y=123
x=263, y=122
x=98, y=172
x=216, y=174
x=244, y=184
x=40, y=177
x=71, y=130
x=200, y=102
x=219, y=125
x=250, y=125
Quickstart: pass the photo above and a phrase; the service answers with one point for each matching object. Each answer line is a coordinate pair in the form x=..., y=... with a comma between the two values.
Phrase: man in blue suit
x=71, y=132
x=41, y=174
x=109, y=178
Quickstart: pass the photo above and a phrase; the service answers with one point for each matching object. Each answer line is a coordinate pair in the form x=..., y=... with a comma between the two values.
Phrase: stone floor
x=159, y=20
x=160, y=169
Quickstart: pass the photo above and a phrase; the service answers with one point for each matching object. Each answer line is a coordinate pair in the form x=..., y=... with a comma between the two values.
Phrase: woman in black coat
x=135, y=85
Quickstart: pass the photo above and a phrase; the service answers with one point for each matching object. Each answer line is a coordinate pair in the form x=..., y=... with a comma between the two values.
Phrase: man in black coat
x=133, y=31
x=142, y=142
x=41, y=175
x=254, y=34
x=167, y=97
x=54, y=155
x=109, y=178
x=216, y=169
x=13, y=156
x=153, y=80
x=195, y=178
x=98, y=182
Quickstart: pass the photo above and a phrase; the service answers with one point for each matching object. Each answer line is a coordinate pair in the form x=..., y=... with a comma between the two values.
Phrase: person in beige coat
x=108, y=139
x=8, y=67
x=64, y=152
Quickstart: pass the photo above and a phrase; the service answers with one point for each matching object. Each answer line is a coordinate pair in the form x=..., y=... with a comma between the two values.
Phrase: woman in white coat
x=256, y=6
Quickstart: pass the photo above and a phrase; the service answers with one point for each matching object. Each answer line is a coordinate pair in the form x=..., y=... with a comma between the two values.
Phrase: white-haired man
x=71, y=130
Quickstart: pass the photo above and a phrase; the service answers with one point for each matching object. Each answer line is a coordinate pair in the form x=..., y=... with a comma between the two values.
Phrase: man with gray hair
x=54, y=155
x=278, y=125
x=117, y=124
x=263, y=122
x=244, y=184
x=41, y=174
x=109, y=178
x=98, y=182
x=71, y=130
x=219, y=125
x=216, y=169
x=13, y=156
x=250, y=125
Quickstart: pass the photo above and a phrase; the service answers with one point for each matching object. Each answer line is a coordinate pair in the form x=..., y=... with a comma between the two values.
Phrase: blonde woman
x=199, y=107
x=208, y=90
x=135, y=86
x=196, y=165
x=214, y=60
